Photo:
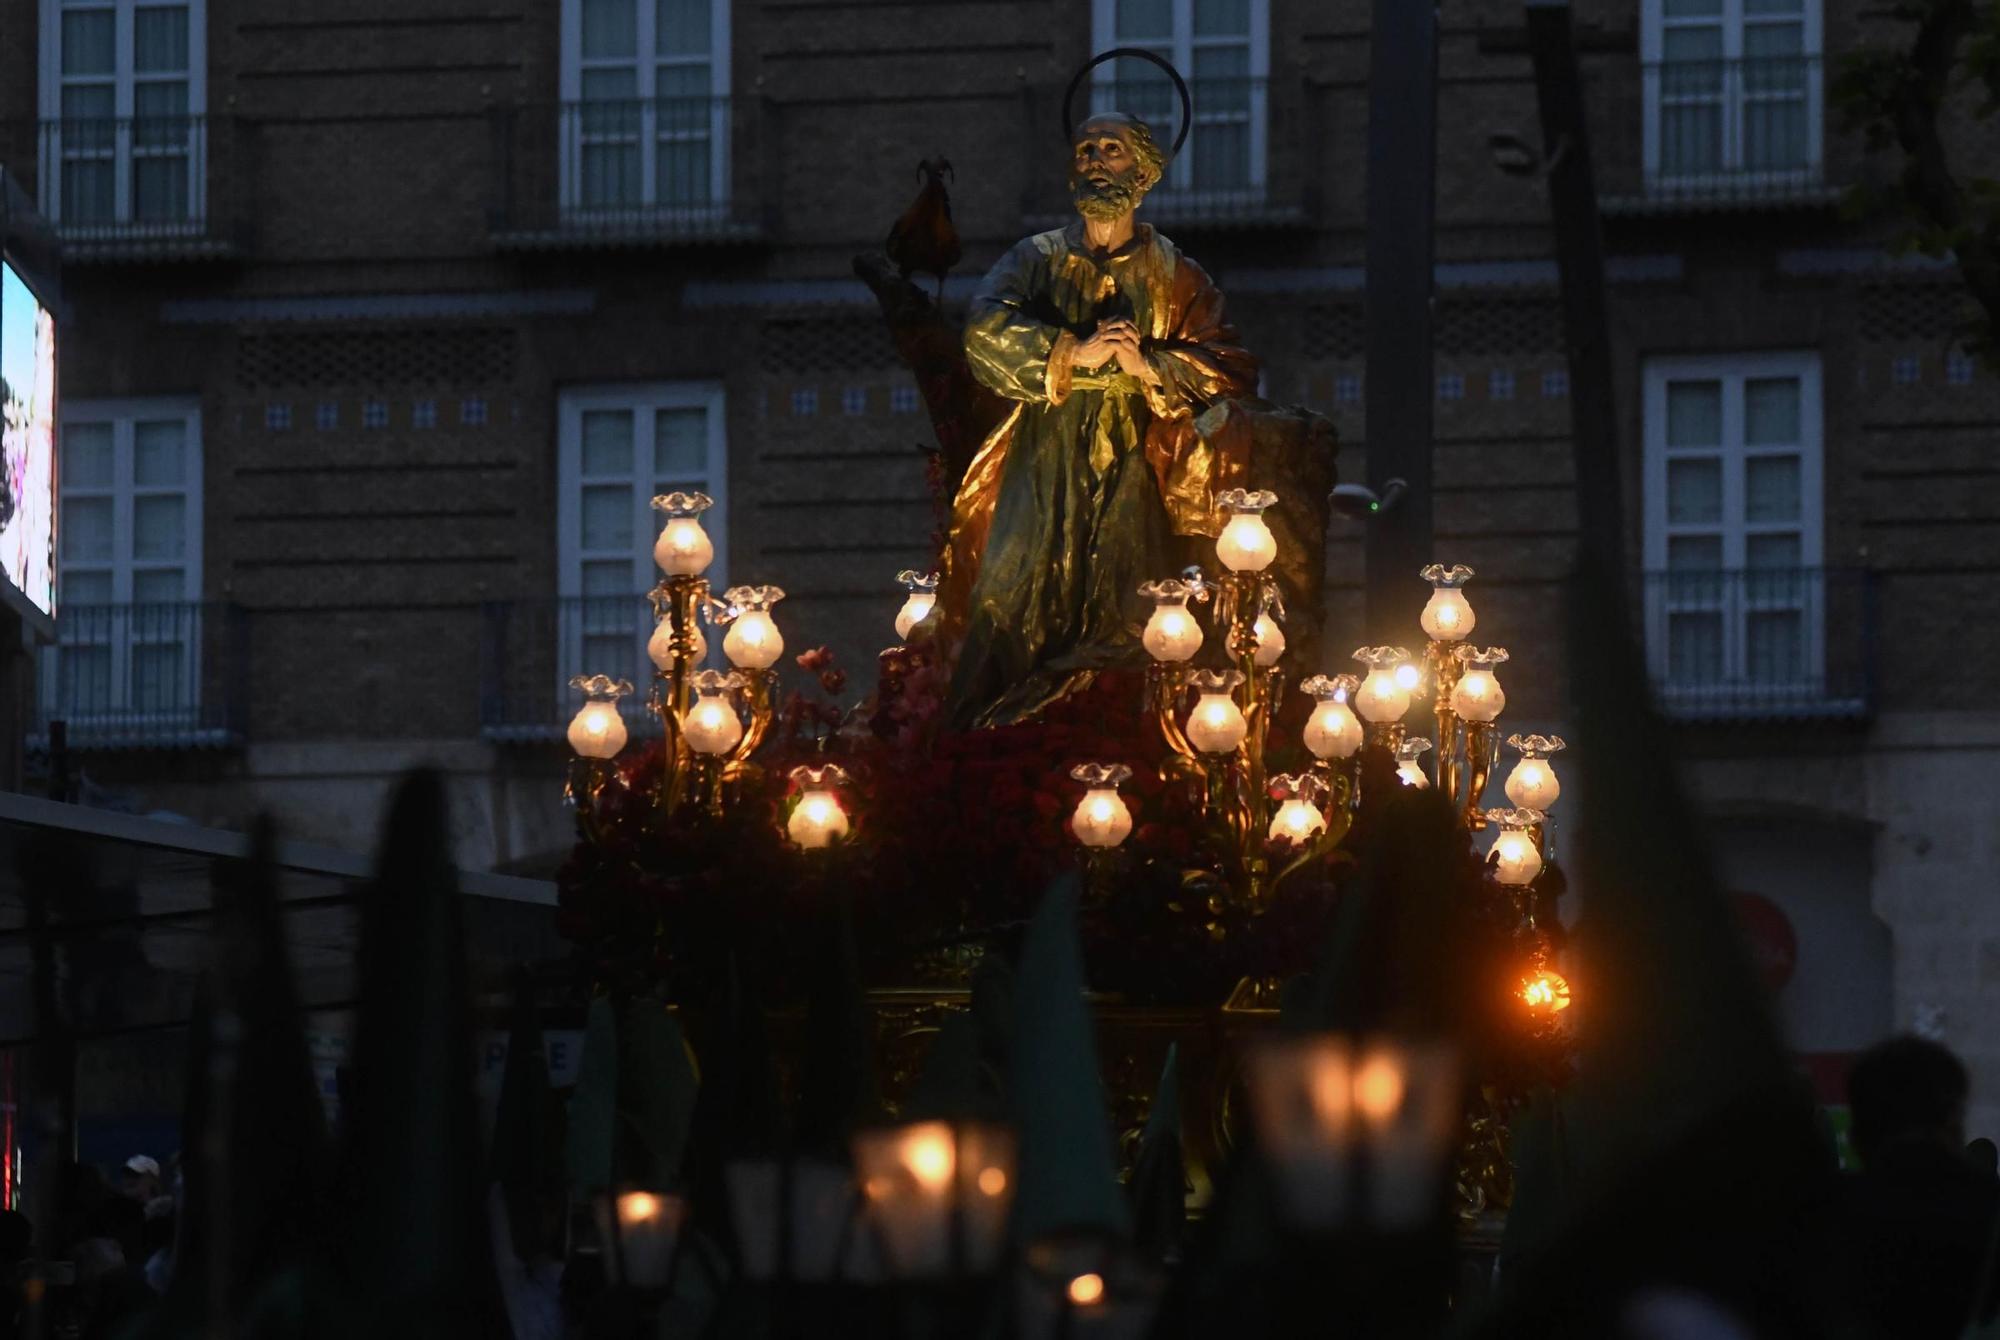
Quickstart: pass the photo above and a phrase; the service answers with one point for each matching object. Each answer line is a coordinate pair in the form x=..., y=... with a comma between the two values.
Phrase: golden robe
x=1076, y=497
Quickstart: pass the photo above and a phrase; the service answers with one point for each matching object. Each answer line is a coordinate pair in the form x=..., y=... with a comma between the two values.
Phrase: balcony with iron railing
x=144, y=677
x=530, y=649
x=1246, y=162
x=1717, y=135
x=140, y=188
x=632, y=172
x=1762, y=643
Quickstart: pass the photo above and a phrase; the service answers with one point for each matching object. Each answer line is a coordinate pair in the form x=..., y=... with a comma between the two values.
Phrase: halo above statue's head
x=1070, y=122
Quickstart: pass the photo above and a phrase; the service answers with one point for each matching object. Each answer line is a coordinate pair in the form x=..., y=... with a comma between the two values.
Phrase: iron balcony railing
x=530, y=650
x=1727, y=133
x=631, y=172
x=144, y=676
x=1244, y=164
x=141, y=187
x=1762, y=643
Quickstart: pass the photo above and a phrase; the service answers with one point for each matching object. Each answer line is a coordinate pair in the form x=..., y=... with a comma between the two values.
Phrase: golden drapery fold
x=1064, y=447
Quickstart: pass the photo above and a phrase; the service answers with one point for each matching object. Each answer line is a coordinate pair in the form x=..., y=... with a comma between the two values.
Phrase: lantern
x=753, y=641
x=1217, y=725
x=1171, y=633
x=1101, y=818
x=1516, y=855
x=1384, y=695
x=1332, y=731
x=1533, y=784
x=1246, y=543
x=641, y=1232
x=1447, y=615
x=918, y=604
x=683, y=548
x=710, y=724
x=937, y=1194
x=598, y=729
x=1478, y=696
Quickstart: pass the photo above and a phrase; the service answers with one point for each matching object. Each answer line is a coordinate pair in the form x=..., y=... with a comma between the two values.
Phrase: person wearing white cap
x=141, y=1178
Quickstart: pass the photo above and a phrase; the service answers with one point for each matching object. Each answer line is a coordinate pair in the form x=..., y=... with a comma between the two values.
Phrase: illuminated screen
x=27, y=441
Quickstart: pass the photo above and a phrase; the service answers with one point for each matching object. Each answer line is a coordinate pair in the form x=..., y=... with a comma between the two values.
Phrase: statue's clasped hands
x=1116, y=338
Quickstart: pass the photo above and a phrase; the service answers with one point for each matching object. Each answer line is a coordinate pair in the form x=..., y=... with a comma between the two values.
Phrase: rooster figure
x=923, y=240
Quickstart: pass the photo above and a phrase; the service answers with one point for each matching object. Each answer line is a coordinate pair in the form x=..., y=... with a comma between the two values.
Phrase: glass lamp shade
x=818, y=1221
x=1384, y=695
x=598, y=729
x=1246, y=543
x=1478, y=696
x=1217, y=725
x=1332, y=731
x=817, y=821
x=917, y=1177
x=1447, y=615
x=1297, y=821
x=1516, y=856
x=1171, y=633
x=916, y=608
x=1270, y=641
x=641, y=1233
x=1359, y=1131
x=683, y=548
x=1101, y=818
x=710, y=724
x=660, y=647
x=753, y=641
x=1409, y=765
x=1533, y=784
x=918, y=604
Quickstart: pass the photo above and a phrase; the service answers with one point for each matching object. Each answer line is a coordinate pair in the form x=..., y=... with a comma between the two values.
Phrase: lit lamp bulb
x=922, y=599
x=817, y=821
x=1246, y=543
x=753, y=641
x=1216, y=726
x=1101, y=818
x=1533, y=784
x=660, y=647
x=1332, y=731
x=1384, y=694
x=1478, y=696
x=1447, y=616
x=1547, y=992
x=1516, y=856
x=710, y=725
x=1270, y=640
x=1171, y=633
x=683, y=549
x=1298, y=818
x=598, y=729
x=1409, y=771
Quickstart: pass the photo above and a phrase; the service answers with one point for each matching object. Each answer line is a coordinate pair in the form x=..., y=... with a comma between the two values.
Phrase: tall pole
x=1579, y=239
x=1402, y=196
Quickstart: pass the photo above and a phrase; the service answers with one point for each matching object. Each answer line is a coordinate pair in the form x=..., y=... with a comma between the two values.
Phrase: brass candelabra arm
x=759, y=694
x=1481, y=748
x=677, y=599
x=1168, y=685
x=1339, y=818
x=582, y=786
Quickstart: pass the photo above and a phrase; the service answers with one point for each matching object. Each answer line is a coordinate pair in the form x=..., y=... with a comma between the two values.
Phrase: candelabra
x=713, y=721
x=1218, y=744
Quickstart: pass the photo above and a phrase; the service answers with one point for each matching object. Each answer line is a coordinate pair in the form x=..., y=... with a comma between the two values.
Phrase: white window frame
x=1180, y=173
x=122, y=81
x=1733, y=20
x=645, y=63
x=123, y=415
x=1733, y=371
x=643, y=399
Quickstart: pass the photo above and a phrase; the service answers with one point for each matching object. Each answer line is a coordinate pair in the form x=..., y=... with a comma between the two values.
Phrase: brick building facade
x=375, y=309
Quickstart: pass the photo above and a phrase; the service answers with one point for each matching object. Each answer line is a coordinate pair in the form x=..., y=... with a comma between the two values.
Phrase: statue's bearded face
x=1107, y=176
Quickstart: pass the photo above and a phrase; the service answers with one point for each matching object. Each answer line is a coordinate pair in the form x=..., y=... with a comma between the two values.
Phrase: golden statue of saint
x=1108, y=342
